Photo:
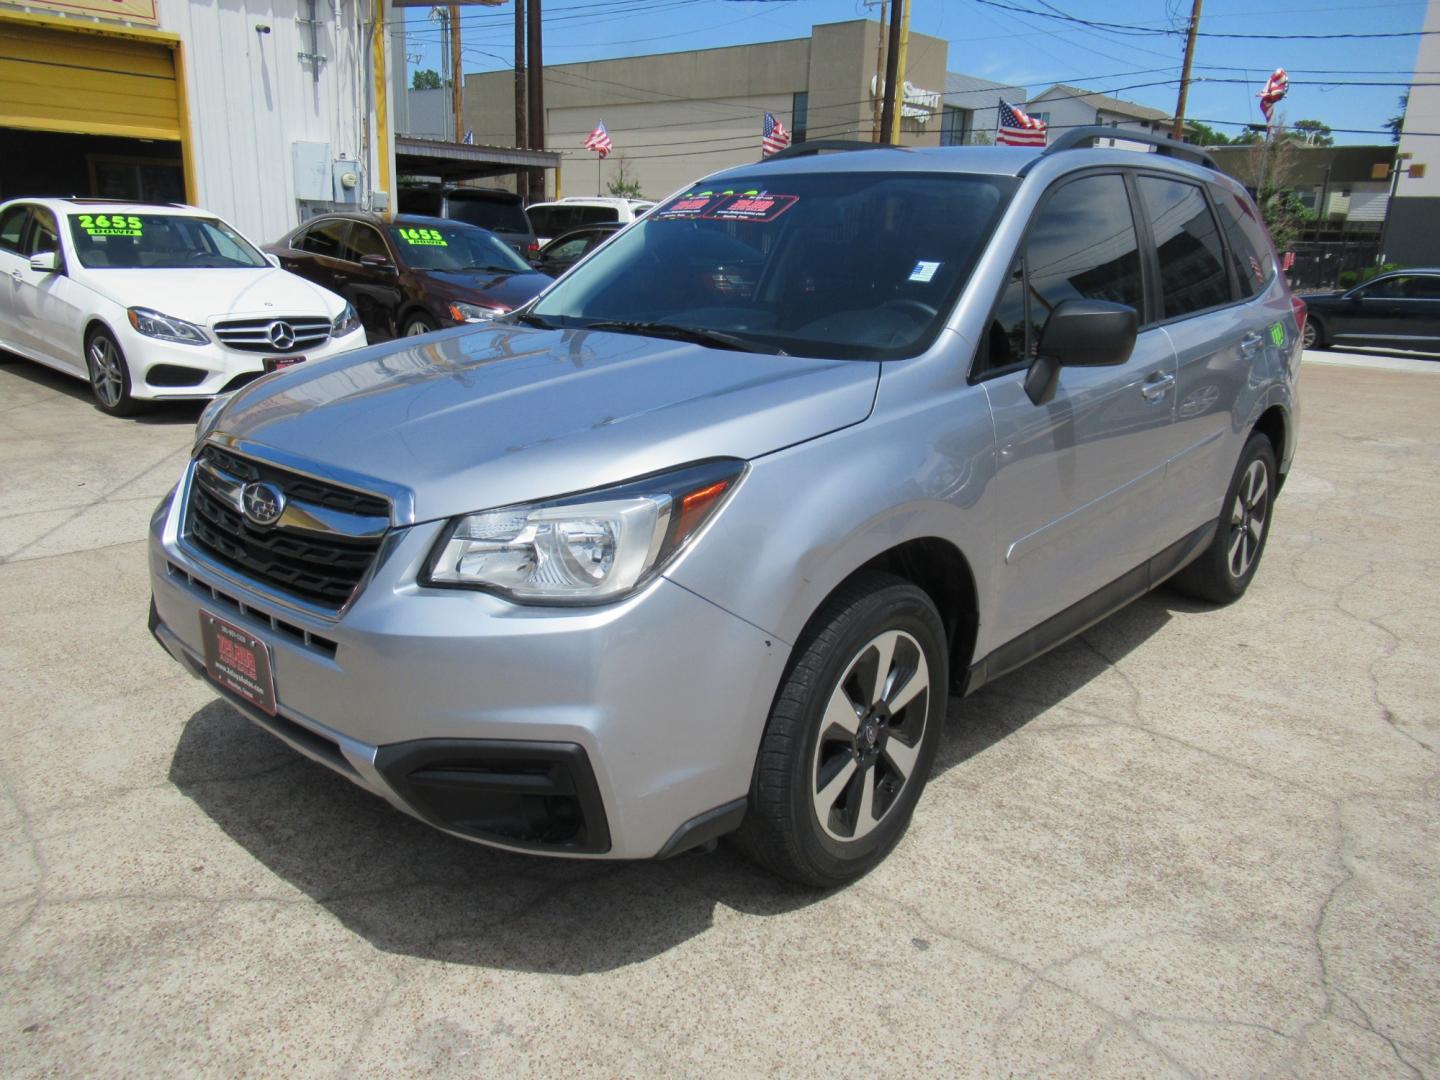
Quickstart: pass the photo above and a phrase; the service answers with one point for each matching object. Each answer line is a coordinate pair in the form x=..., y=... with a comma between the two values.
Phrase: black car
x=1400, y=310
x=410, y=275
x=565, y=251
x=502, y=212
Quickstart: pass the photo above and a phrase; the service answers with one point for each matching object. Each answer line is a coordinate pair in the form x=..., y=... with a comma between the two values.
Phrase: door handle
x=1249, y=343
x=1154, y=388
x=19, y=277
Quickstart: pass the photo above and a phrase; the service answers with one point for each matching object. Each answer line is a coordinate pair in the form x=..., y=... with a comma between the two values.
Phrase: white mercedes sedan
x=152, y=302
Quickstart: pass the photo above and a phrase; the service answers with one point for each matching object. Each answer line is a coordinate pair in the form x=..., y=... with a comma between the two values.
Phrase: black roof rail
x=819, y=145
x=1085, y=136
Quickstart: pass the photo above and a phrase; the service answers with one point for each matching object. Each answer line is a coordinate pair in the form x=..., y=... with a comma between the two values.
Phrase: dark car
x=502, y=212
x=565, y=251
x=1401, y=310
x=411, y=275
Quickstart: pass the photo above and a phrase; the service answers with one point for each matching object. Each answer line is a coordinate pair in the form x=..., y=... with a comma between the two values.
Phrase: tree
x=622, y=181
x=1395, y=121
x=1205, y=135
x=1312, y=133
x=425, y=79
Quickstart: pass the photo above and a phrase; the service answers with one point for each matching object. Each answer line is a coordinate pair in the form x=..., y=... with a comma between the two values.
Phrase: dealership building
x=675, y=116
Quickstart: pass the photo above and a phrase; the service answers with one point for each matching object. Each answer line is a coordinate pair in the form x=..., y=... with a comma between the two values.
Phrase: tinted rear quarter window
x=1192, y=266
x=1250, y=249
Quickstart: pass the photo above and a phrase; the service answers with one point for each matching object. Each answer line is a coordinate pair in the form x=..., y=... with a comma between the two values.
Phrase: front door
x=1078, y=492
x=374, y=290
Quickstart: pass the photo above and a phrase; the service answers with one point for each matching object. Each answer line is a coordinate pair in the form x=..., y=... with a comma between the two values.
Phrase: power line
x=1158, y=32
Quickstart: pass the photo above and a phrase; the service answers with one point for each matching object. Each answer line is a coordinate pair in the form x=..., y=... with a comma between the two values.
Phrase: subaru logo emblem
x=263, y=503
x=282, y=335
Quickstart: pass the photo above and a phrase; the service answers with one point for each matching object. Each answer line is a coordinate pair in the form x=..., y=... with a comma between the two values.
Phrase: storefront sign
x=918, y=105
x=135, y=11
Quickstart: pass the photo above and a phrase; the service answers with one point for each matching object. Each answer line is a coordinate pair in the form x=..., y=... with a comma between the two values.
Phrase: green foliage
x=1284, y=214
x=623, y=184
x=1350, y=278
x=1311, y=133
x=425, y=79
x=1395, y=121
x=1205, y=135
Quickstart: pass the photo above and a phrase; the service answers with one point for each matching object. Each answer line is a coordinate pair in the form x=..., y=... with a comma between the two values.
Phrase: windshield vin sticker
x=111, y=224
x=924, y=270
x=728, y=205
x=423, y=237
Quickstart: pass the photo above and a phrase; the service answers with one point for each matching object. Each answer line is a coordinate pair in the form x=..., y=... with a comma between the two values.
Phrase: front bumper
x=641, y=717
x=213, y=367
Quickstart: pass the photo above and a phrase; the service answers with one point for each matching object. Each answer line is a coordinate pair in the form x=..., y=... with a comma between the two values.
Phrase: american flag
x=1017, y=129
x=1274, y=91
x=773, y=137
x=599, y=140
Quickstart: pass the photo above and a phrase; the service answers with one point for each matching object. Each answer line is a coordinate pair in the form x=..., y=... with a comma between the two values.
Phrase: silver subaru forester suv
x=701, y=541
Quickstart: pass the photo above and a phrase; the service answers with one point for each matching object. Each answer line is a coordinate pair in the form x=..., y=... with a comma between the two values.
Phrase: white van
x=551, y=219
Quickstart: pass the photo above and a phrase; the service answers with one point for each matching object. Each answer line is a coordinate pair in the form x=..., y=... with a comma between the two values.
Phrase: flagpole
x=598, y=158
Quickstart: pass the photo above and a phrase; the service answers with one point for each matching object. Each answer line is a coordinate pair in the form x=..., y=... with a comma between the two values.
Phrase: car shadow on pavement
x=409, y=889
x=157, y=412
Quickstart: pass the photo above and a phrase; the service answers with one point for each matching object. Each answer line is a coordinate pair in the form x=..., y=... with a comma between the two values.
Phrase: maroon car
x=410, y=275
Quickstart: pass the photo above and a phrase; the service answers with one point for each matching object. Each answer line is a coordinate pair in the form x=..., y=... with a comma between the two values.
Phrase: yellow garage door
x=87, y=83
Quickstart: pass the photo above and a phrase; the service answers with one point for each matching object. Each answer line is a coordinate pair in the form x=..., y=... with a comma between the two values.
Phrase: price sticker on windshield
x=423, y=237
x=759, y=206
x=111, y=224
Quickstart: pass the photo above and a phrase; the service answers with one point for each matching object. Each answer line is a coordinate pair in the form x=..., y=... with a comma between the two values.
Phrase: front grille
x=259, y=335
x=322, y=568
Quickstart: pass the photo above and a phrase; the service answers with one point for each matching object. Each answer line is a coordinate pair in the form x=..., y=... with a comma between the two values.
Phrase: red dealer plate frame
x=237, y=661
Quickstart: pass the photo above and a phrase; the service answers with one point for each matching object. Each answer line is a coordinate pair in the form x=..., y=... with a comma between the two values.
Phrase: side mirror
x=45, y=262
x=1080, y=333
x=377, y=262
x=272, y=259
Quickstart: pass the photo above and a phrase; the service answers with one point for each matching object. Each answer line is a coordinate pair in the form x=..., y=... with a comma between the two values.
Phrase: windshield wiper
x=714, y=338
x=532, y=320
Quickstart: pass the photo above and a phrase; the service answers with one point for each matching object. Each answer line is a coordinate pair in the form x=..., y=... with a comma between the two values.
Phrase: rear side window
x=551, y=220
x=1422, y=288
x=1250, y=250
x=12, y=225
x=494, y=214
x=1082, y=245
x=596, y=215
x=326, y=239
x=1192, y=259
x=365, y=241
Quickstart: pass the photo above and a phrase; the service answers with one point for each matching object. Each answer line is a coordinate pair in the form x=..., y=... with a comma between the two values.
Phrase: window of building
x=1192, y=259
x=955, y=124
x=1082, y=246
x=1043, y=117
x=799, y=115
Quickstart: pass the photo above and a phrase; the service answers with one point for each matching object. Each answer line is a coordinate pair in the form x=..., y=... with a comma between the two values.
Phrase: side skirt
x=1083, y=614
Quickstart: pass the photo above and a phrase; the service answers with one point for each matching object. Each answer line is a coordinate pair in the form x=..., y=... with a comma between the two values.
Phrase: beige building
x=676, y=116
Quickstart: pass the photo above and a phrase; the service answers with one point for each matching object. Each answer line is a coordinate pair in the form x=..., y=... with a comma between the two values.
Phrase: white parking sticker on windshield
x=924, y=271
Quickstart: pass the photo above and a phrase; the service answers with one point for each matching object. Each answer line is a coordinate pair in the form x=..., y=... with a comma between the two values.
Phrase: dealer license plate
x=238, y=661
x=275, y=363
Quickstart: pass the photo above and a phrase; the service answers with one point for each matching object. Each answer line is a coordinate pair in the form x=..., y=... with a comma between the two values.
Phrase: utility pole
x=892, y=59
x=899, y=87
x=879, y=74
x=522, y=128
x=457, y=77
x=537, y=96
x=1179, y=131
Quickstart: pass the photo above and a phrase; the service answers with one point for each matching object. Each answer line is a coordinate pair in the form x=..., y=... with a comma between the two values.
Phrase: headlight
x=462, y=312
x=209, y=415
x=166, y=327
x=583, y=549
x=347, y=322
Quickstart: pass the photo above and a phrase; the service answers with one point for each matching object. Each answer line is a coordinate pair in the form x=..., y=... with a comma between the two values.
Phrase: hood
x=203, y=294
x=478, y=418
x=507, y=289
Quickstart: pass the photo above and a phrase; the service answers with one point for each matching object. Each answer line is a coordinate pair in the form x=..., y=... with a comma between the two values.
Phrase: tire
x=418, y=324
x=109, y=375
x=817, y=734
x=1314, y=336
x=1223, y=573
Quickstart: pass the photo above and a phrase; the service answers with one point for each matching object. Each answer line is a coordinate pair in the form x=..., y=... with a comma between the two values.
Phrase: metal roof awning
x=465, y=161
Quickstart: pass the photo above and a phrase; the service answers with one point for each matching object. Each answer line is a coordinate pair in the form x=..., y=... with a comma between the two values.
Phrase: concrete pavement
x=1192, y=842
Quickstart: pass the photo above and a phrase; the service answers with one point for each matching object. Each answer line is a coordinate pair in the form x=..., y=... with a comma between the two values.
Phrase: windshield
x=844, y=265
x=455, y=247
x=159, y=242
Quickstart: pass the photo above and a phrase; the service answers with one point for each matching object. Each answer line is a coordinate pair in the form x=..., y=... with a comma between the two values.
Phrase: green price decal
x=1277, y=335
x=112, y=224
x=427, y=237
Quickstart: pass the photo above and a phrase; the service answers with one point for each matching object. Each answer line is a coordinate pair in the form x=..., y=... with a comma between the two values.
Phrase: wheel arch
x=1275, y=426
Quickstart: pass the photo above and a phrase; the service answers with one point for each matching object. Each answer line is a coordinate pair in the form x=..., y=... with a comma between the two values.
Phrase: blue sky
x=994, y=41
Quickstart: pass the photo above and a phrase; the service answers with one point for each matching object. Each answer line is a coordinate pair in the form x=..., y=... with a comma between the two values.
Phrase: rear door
x=317, y=253
x=12, y=233
x=1422, y=302
x=1079, y=480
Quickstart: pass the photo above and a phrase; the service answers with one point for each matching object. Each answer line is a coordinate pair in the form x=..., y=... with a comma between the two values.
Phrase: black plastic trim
x=1084, y=137
x=1083, y=614
x=805, y=149
x=442, y=762
x=703, y=828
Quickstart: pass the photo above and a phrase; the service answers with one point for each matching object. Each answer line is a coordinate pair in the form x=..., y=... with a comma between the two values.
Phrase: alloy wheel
x=1307, y=339
x=870, y=736
x=1247, y=518
x=416, y=328
x=106, y=373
